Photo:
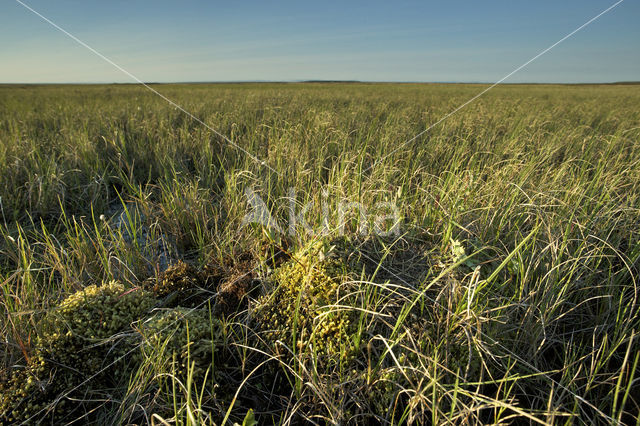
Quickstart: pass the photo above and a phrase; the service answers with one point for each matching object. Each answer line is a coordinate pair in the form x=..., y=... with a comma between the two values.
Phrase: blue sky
x=300, y=40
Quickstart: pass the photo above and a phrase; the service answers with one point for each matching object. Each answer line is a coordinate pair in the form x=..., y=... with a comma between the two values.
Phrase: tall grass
x=540, y=185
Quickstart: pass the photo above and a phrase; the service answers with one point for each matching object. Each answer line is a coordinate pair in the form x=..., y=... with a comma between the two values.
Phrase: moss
x=187, y=346
x=299, y=313
x=180, y=285
x=239, y=281
x=175, y=338
x=322, y=276
x=232, y=292
x=78, y=339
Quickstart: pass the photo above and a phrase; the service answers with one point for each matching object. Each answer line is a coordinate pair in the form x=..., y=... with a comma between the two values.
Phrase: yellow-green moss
x=299, y=306
x=187, y=346
x=173, y=339
x=81, y=338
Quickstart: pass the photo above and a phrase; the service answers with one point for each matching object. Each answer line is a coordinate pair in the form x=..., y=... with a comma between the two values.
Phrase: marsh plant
x=485, y=272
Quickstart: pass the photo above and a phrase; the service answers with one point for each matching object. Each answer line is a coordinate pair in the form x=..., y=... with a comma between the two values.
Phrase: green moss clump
x=183, y=346
x=298, y=311
x=178, y=337
x=86, y=319
x=83, y=337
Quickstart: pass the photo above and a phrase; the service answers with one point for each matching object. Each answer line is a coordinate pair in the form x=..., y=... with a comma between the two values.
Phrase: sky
x=444, y=41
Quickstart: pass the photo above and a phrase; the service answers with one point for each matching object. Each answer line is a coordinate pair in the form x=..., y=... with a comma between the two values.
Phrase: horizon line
x=335, y=81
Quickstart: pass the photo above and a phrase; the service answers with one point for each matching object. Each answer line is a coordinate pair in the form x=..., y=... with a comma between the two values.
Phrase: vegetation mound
x=302, y=310
x=334, y=323
x=86, y=336
x=183, y=285
x=183, y=348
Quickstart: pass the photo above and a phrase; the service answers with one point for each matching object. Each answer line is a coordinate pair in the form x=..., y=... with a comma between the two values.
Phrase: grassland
x=510, y=294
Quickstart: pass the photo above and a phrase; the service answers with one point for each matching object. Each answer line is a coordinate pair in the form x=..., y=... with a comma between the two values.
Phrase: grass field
x=133, y=291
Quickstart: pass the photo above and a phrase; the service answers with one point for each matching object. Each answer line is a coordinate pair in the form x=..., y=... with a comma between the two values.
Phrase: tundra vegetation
x=134, y=293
